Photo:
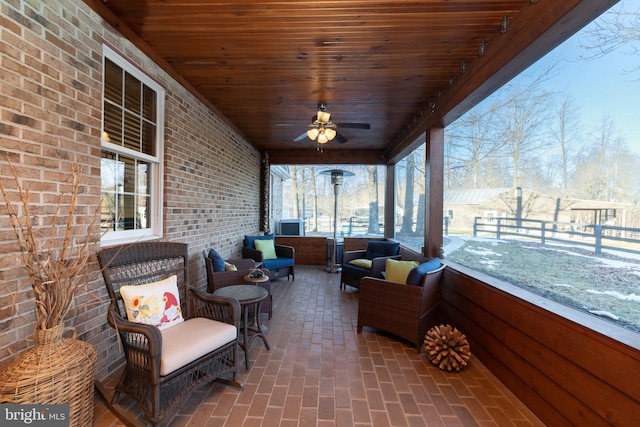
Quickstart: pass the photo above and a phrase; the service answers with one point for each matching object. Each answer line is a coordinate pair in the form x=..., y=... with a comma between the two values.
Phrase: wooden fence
x=596, y=236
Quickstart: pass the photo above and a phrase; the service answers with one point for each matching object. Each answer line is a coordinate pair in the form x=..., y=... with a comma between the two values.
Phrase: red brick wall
x=50, y=117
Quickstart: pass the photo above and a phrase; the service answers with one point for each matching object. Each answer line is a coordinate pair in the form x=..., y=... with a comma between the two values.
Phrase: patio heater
x=336, y=180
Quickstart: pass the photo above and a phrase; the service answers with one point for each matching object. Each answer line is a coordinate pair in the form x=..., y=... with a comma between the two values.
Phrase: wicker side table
x=249, y=296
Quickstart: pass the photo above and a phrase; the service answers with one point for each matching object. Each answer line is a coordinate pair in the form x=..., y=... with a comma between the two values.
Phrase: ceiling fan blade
x=301, y=137
x=340, y=138
x=354, y=125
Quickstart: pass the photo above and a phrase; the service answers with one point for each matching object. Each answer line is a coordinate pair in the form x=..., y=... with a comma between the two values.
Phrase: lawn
x=607, y=286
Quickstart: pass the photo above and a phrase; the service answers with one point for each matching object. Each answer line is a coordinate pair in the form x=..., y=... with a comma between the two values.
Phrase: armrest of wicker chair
x=252, y=253
x=285, y=251
x=143, y=340
x=242, y=263
x=222, y=309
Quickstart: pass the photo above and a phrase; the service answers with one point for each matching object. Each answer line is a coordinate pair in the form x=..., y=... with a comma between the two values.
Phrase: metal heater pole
x=335, y=229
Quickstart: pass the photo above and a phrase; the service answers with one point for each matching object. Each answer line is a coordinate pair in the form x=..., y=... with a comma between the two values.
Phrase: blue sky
x=601, y=88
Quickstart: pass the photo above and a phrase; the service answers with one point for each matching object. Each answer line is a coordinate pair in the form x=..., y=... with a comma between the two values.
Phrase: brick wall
x=50, y=117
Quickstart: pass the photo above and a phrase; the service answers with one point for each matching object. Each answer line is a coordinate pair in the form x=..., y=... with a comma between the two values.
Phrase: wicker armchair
x=377, y=252
x=403, y=310
x=163, y=367
x=282, y=266
x=220, y=279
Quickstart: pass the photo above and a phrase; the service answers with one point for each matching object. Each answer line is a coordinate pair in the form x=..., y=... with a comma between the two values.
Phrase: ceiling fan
x=322, y=129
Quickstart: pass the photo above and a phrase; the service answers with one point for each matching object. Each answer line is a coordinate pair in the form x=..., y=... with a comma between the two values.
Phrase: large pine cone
x=447, y=347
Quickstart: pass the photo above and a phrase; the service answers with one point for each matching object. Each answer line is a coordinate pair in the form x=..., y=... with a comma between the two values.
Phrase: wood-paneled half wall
x=565, y=372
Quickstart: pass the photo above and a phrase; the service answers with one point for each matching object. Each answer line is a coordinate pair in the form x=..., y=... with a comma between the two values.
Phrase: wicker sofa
x=402, y=309
x=164, y=366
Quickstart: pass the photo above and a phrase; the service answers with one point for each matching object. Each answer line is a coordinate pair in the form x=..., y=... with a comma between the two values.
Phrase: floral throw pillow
x=156, y=303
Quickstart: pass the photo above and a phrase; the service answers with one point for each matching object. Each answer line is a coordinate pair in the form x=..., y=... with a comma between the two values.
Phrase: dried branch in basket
x=55, y=264
x=447, y=347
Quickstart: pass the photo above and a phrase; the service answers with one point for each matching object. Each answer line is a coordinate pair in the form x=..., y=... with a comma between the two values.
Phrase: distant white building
x=461, y=207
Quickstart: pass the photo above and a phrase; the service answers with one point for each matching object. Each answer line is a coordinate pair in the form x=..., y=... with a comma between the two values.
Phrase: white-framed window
x=132, y=152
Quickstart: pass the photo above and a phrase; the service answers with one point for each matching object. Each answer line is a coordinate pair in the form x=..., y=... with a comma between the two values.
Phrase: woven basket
x=56, y=370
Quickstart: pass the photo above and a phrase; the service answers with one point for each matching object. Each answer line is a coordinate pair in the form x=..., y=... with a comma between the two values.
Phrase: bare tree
x=374, y=216
x=472, y=141
x=407, y=218
x=302, y=188
x=598, y=174
x=294, y=191
x=565, y=131
x=616, y=29
x=520, y=119
x=314, y=197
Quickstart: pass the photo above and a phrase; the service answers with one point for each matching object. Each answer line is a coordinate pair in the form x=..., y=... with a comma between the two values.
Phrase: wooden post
x=434, y=177
x=597, y=231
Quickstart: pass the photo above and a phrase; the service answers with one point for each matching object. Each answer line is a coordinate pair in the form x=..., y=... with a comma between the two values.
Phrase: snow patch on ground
x=482, y=252
x=490, y=263
x=631, y=263
x=604, y=314
x=488, y=240
x=564, y=285
x=615, y=294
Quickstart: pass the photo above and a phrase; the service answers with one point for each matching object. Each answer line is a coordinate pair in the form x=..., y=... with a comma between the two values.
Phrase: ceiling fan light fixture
x=322, y=137
x=323, y=117
x=322, y=129
x=330, y=133
x=313, y=133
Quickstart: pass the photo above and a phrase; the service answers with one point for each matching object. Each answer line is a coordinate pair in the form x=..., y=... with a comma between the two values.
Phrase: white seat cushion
x=191, y=339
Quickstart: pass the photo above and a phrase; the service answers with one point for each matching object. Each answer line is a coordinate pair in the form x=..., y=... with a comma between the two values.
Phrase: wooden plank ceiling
x=396, y=65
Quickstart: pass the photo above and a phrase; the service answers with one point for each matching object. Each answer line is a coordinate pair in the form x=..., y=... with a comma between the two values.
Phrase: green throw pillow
x=397, y=271
x=267, y=247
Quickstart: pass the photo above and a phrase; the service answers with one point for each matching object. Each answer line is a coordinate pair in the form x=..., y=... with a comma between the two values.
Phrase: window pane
x=539, y=176
x=129, y=182
x=309, y=194
x=410, y=199
x=113, y=82
x=112, y=125
x=132, y=131
x=127, y=220
x=149, y=104
x=144, y=219
x=148, y=138
x=133, y=94
x=125, y=197
x=143, y=184
x=110, y=175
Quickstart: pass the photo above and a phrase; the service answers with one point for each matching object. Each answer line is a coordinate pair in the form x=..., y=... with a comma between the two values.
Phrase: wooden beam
x=312, y=156
x=434, y=176
x=390, y=202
